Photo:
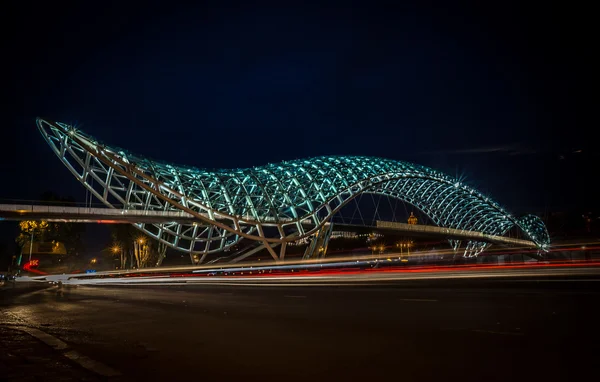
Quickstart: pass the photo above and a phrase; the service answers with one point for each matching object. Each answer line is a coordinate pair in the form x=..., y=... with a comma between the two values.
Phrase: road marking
x=56, y=344
x=46, y=338
x=418, y=299
x=90, y=364
x=295, y=296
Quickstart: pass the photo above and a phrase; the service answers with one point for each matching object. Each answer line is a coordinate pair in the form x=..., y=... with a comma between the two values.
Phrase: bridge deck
x=453, y=233
x=19, y=212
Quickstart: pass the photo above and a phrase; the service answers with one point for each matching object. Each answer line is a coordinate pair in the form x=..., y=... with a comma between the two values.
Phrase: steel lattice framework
x=273, y=204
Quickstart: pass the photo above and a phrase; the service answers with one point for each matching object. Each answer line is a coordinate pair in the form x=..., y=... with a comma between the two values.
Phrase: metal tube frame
x=270, y=204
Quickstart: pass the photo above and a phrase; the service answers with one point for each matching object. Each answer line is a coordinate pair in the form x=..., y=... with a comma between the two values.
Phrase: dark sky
x=494, y=92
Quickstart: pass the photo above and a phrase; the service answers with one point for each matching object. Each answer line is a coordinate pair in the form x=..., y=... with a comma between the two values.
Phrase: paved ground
x=24, y=358
x=479, y=330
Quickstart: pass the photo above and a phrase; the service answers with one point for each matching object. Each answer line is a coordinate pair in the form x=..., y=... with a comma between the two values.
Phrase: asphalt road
x=423, y=330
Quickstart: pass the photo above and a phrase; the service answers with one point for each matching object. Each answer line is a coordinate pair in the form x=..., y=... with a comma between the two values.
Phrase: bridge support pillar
x=317, y=248
x=249, y=252
x=271, y=251
x=282, y=251
x=474, y=248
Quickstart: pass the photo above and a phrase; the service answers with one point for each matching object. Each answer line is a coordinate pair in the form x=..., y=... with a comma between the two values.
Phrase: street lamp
x=31, y=243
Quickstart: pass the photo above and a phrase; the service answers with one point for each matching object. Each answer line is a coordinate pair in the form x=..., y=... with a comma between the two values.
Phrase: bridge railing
x=473, y=235
x=29, y=208
x=115, y=212
x=46, y=210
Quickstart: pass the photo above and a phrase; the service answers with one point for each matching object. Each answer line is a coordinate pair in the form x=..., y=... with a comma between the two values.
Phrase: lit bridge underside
x=271, y=204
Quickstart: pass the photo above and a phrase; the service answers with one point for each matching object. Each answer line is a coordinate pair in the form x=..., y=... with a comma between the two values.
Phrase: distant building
x=412, y=219
x=343, y=234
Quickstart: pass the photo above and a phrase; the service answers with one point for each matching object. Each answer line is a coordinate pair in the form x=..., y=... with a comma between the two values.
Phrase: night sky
x=495, y=94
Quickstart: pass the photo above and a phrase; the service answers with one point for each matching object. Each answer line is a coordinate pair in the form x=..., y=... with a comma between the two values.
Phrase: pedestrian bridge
x=103, y=215
x=208, y=211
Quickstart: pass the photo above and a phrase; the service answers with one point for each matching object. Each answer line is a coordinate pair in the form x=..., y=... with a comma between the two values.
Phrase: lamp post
x=115, y=250
x=139, y=250
x=31, y=243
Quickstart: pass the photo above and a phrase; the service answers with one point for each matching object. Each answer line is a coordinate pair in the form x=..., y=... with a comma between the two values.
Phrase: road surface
x=421, y=330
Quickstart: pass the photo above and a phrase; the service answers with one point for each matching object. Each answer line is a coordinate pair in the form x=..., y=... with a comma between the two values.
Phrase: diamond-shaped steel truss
x=272, y=204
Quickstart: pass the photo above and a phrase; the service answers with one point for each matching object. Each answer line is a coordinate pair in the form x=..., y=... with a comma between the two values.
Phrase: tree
x=162, y=253
x=142, y=250
x=32, y=230
x=70, y=234
x=123, y=236
x=117, y=250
